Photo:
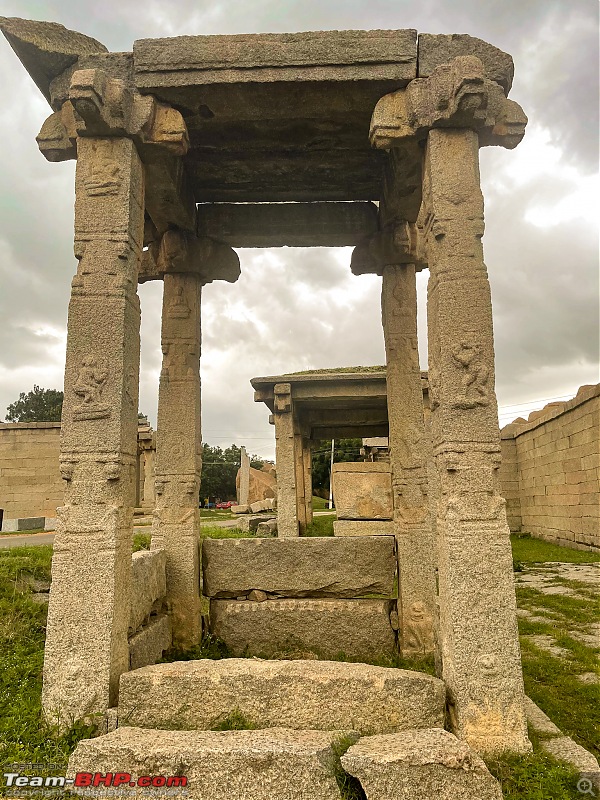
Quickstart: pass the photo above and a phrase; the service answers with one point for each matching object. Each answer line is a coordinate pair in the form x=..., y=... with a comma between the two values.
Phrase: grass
x=528, y=550
x=24, y=533
x=320, y=504
x=320, y=526
x=534, y=777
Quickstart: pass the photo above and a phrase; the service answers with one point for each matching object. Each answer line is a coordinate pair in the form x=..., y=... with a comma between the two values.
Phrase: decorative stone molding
x=399, y=243
x=183, y=252
x=455, y=95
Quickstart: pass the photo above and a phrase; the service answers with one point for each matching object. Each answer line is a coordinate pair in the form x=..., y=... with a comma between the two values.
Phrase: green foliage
x=234, y=721
x=141, y=541
x=349, y=786
x=321, y=526
x=534, y=777
x=219, y=470
x=38, y=405
x=344, y=450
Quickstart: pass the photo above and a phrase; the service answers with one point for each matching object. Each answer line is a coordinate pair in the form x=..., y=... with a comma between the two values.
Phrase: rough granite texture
x=302, y=567
x=363, y=527
x=149, y=644
x=360, y=629
x=362, y=490
x=222, y=765
x=420, y=765
x=148, y=585
x=325, y=695
x=565, y=749
x=436, y=49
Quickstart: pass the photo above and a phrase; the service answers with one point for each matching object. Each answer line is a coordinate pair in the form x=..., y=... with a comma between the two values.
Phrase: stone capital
x=183, y=252
x=455, y=95
x=398, y=243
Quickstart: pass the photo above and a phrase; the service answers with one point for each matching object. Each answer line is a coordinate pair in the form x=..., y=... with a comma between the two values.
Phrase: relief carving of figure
x=418, y=630
x=104, y=176
x=90, y=382
x=475, y=376
x=178, y=307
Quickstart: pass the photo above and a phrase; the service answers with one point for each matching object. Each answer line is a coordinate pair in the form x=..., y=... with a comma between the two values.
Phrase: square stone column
x=301, y=511
x=88, y=615
x=478, y=626
x=408, y=462
x=285, y=458
x=308, y=488
x=148, y=497
x=176, y=525
x=244, y=488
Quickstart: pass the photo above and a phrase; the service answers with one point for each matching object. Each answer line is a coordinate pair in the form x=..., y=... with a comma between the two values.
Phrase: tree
x=219, y=470
x=344, y=450
x=38, y=405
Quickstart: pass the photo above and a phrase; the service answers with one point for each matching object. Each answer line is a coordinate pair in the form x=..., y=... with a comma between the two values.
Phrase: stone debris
x=548, y=645
x=266, y=529
x=223, y=765
x=327, y=695
x=565, y=749
x=250, y=523
x=420, y=765
x=539, y=721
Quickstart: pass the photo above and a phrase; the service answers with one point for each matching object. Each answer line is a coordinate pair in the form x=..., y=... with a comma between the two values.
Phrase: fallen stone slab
x=149, y=644
x=324, y=695
x=250, y=523
x=300, y=567
x=539, y=721
x=148, y=585
x=355, y=629
x=565, y=749
x=262, y=505
x=243, y=509
x=268, y=528
x=548, y=645
x=420, y=765
x=273, y=764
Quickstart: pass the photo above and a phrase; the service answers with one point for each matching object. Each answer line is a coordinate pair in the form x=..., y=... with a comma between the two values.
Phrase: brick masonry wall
x=551, y=471
x=30, y=481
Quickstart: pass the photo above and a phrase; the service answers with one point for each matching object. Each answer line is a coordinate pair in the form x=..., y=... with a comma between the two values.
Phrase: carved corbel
x=57, y=139
x=399, y=243
x=455, y=95
x=184, y=252
x=283, y=398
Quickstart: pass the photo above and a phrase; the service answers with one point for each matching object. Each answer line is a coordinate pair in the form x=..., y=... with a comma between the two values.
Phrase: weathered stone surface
x=222, y=765
x=262, y=505
x=565, y=749
x=23, y=524
x=420, y=765
x=268, y=528
x=362, y=490
x=288, y=224
x=360, y=629
x=148, y=645
x=46, y=48
x=363, y=527
x=436, y=49
x=176, y=523
x=250, y=523
x=302, y=567
x=538, y=720
x=327, y=695
x=148, y=585
x=481, y=658
x=285, y=458
x=245, y=509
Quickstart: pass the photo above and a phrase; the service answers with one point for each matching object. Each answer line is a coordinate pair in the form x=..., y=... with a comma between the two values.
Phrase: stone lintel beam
x=348, y=432
x=437, y=49
x=287, y=224
x=396, y=244
x=183, y=252
x=46, y=49
x=312, y=418
x=455, y=95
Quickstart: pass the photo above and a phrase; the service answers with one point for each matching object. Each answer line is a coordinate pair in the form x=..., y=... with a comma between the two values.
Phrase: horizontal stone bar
x=300, y=567
x=148, y=585
x=273, y=57
x=363, y=527
x=356, y=629
x=287, y=224
x=200, y=694
x=220, y=765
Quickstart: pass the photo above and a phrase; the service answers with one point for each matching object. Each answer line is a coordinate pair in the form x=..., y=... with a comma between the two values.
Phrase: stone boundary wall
x=30, y=480
x=550, y=472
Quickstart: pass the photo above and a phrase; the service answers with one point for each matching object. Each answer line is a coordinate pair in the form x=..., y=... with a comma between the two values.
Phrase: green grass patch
x=25, y=533
x=534, y=777
x=234, y=721
x=582, y=610
x=528, y=550
x=320, y=526
x=320, y=504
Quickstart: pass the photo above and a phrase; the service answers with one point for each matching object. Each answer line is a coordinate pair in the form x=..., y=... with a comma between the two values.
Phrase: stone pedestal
x=408, y=462
x=86, y=644
x=478, y=628
x=176, y=526
x=287, y=520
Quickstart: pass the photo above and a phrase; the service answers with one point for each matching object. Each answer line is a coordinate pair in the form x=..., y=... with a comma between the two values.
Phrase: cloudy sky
x=296, y=309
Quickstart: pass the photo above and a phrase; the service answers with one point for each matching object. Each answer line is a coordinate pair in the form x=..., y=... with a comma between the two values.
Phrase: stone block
x=565, y=749
x=325, y=695
x=250, y=523
x=358, y=629
x=439, y=49
x=303, y=567
x=351, y=527
x=148, y=585
x=420, y=765
x=148, y=645
x=262, y=505
x=268, y=528
x=222, y=765
x=50, y=524
x=538, y=720
x=245, y=509
x=363, y=490
x=23, y=524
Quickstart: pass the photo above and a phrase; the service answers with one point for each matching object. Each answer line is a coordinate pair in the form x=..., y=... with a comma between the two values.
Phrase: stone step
x=299, y=694
x=273, y=764
x=420, y=765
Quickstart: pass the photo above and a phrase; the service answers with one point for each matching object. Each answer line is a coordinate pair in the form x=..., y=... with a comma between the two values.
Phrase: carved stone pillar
x=300, y=476
x=148, y=501
x=88, y=615
x=176, y=526
x=478, y=628
x=244, y=490
x=287, y=520
x=308, y=490
x=408, y=461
